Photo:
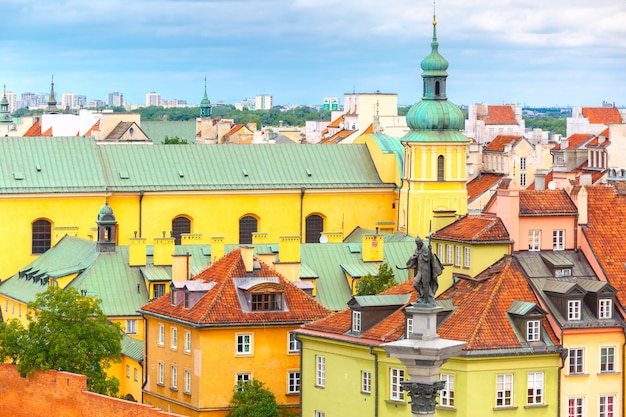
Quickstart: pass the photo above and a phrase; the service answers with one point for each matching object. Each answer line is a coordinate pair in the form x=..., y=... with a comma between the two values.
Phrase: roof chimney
x=540, y=179
x=373, y=248
x=247, y=255
x=137, y=251
x=190, y=238
x=217, y=248
x=331, y=237
x=181, y=267
x=163, y=251
x=260, y=238
x=288, y=264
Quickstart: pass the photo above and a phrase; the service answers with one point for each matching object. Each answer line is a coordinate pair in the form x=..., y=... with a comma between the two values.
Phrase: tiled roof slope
x=605, y=233
x=482, y=184
x=337, y=137
x=500, y=115
x=602, y=115
x=481, y=317
x=576, y=140
x=475, y=229
x=499, y=142
x=35, y=129
x=337, y=122
x=546, y=203
x=220, y=305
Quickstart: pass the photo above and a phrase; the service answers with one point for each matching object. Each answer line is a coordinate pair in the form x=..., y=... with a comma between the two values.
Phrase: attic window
x=356, y=321
x=267, y=302
x=564, y=272
x=605, y=308
x=573, y=309
x=533, y=330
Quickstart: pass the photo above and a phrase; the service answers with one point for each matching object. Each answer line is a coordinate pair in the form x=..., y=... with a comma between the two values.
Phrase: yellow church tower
x=433, y=191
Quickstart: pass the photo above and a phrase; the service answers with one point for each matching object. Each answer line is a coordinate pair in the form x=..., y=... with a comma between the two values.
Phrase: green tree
x=374, y=284
x=174, y=140
x=252, y=399
x=66, y=331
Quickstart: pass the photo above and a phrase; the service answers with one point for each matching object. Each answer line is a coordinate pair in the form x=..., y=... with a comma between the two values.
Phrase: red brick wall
x=61, y=394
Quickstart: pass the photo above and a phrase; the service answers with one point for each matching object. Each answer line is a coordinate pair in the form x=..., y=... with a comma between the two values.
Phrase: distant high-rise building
x=153, y=99
x=73, y=101
x=263, y=102
x=12, y=99
x=115, y=99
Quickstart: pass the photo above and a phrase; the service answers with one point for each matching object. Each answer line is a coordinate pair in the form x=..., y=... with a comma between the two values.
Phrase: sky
x=528, y=52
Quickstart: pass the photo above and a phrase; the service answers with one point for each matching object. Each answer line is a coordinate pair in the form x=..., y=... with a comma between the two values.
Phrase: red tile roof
x=546, y=203
x=602, y=115
x=35, y=129
x=337, y=122
x=337, y=137
x=221, y=306
x=369, y=130
x=475, y=228
x=499, y=142
x=576, y=140
x=234, y=129
x=481, y=184
x=500, y=115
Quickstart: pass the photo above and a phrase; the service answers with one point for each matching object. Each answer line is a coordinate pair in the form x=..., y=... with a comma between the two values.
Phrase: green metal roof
x=388, y=144
x=132, y=348
x=157, y=130
x=382, y=300
x=358, y=270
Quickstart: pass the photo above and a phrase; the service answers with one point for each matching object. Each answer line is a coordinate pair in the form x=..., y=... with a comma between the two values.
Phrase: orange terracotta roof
x=481, y=184
x=481, y=317
x=221, y=306
x=337, y=122
x=35, y=129
x=500, y=115
x=96, y=126
x=234, y=129
x=369, y=130
x=575, y=140
x=337, y=137
x=475, y=228
x=602, y=115
x=47, y=132
x=499, y=142
x=546, y=203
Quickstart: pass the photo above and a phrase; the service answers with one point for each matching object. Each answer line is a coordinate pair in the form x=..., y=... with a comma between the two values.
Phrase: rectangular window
x=244, y=344
x=396, y=376
x=320, y=371
x=267, y=302
x=321, y=413
x=607, y=406
x=174, y=338
x=159, y=290
x=576, y=361
x=294, y=344
x=534, y=239
x=558, y=239
x=241, y=379
x=366, y=382
x=522, y=179
x=293, y=386
x=466, y=257
x=136, y=374
x=607, y=359
x=131, y=326
x=187, y=341
x=605, y=308
x=161, y=340
x=409, y=328
x=127, y=371
x=174, y=384
x=446, y=398
x=440, y=253
x=573, y=309
x=449, y=259
x=356, y=321
x=575, y=407
x=187, y=377
x=535, y=388
x=522, y=164
x=160, y=377
x=533, y=330
x=504, y=390
x=457, y=256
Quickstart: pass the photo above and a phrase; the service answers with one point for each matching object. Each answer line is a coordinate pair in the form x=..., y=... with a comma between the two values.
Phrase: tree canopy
x=252, y=399
x=68, y=332
x=374, y=284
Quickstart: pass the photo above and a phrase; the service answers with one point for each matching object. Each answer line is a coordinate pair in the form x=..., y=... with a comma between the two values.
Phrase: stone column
x=423, y=354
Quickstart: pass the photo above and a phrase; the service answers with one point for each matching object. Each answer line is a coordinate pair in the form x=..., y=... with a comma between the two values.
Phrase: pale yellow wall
x=130, y=375
x=14, y=309
x=386, y=163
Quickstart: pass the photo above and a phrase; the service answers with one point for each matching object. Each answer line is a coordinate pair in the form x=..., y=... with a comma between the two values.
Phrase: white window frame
x=575, y=407
x=576, y=361
x=522, y=179
x=534, y=239
x=440, y=253
x=522, y=163
x=320, y=371
x=293, y=344
x=409, y=328
x=243, y=344
x=608, y=359
x=174, y=338
x=449, y=259
x=396, y=376
x=244, y=377
x=187, y=381
x=558, y=239
x=356, y=321
x=504, y=390
x=574, y=309
x=187, y=341
x=607, y=406
x=161, y=374
x=131, y=326
x=535, y=389
x=161, y=337
x=293, y=382
x=174, y=377
x=533, y=330
x=321, y=413
x=466, y=257
x=605, y=308
x=457, y=256
x=446, y=396
x=366, y=382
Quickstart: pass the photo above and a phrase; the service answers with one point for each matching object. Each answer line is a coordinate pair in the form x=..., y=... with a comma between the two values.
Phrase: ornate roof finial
x=434, y=14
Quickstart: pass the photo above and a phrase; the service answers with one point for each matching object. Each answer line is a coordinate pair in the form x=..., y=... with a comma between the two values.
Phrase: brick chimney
x=137, y=251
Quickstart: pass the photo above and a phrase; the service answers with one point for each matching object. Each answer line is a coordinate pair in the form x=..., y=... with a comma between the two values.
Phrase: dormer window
x=533, y=330
x=187, y=299
x=564, y=272
x=573, y=309
x=267, y=302
x=356, y=321
x=605, y=308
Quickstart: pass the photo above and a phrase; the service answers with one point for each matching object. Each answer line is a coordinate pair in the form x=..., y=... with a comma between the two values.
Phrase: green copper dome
x=435, y=115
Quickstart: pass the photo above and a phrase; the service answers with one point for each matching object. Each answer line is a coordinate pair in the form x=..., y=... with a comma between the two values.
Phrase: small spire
x=52, y=102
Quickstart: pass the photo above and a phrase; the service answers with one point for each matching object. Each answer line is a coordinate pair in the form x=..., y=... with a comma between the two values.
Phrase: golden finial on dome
x=434, y=14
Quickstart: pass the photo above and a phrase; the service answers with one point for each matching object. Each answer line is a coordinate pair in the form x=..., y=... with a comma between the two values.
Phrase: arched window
x=440, y=168
x=41, y=236
x=314, y=228
x=180, y=225
x=247, y=226
x=437, y=88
